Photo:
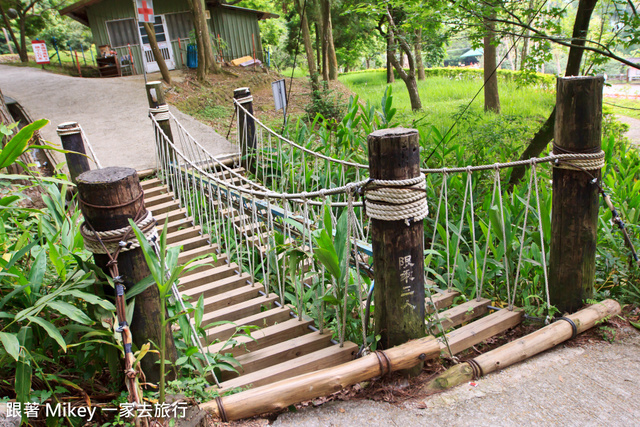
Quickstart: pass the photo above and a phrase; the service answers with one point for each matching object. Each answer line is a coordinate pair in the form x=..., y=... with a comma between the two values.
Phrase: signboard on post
x=40, y=51
x=145, y=11
x=280, y=94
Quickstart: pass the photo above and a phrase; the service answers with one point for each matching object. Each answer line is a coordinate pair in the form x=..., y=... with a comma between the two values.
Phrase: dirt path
x=113, y=113
x=592, y=385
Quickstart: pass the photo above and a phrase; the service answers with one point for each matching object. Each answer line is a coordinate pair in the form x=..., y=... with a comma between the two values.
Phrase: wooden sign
x=40, y=51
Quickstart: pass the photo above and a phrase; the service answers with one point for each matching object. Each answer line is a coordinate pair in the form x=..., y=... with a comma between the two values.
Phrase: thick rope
x=402, y=200
x=102, y=242
x=160, y=113
x=582, y=164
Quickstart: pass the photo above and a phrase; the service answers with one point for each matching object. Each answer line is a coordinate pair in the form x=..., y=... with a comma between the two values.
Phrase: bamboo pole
x=282, y=394
x=525, y=347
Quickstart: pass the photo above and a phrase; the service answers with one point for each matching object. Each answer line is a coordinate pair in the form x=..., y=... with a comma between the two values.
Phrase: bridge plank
x=263, y=319
x=325, y=358
x=482, y=329
x=460, y=314
x=241, y=310
x=191, y=284
x=219, y=286
x=284, y=351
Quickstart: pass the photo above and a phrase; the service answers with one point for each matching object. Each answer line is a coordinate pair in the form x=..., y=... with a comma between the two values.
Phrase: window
x=122, y=32
x=157, y=27
x=179, y=25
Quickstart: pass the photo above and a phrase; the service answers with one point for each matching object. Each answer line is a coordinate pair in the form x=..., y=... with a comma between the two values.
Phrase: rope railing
x=228, y=203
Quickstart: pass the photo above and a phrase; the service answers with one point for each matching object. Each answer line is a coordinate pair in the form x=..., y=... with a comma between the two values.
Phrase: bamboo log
x=525, y=347
x=280, y=395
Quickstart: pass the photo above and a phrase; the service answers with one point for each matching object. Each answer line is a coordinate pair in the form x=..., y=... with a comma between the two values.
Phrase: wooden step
x=163, y=208
x=279, y=353
x=481, y=330
x=205, y=264
x=155, y=191
x=261, y=320
x=170, y=216
x=184, y=234
x=241, y=310
x=265, y=337
x=251, y=229
x=192, y=243
x=150, y=183
x=232, y=297
x=441, y=300
x=177, y=225
x=197, y=252
x=222, y=173
x=220, y=285
x=325, y=358
x=189, y=284
x=460, y=314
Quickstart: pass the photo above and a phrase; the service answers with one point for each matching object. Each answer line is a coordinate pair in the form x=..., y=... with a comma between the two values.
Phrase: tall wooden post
x=109, y=197
x=71, y=138
x=398, y=248
x=159, y=108
x=246, y=126
x=574, y=217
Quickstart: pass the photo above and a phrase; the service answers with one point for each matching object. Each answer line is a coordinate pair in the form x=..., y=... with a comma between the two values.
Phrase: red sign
x=145, y=11
x=40, y=51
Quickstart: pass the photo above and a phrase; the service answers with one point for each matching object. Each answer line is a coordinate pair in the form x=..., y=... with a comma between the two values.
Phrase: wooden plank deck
x=281, y=346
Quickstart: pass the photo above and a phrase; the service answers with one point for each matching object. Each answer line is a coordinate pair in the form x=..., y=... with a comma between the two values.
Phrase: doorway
x=164, y=44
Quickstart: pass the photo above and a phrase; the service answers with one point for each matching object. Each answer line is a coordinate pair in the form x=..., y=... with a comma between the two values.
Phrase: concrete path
x=113, y=113
x=593, y=385
x=634, y=129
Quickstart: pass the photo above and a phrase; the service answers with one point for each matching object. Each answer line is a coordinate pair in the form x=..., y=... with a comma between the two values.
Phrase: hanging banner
x=40, y=51
x=145, y=11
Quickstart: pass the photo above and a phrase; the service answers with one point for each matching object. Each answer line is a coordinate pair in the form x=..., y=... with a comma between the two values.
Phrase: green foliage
x=326, y=103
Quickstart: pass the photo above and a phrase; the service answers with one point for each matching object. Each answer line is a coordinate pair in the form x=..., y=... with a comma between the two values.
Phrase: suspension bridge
x=282, y=243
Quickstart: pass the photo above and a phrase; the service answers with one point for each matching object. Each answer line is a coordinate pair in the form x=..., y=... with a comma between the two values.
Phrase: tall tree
x=408, y=77
x=206, y=59
x=308, y=47
x=417, y=46
x=490, y=71
x=328, y=47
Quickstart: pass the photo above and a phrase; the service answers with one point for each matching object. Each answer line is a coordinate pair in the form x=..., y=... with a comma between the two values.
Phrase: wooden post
x=71, y=138
x=160, y=110
x=246, y=125
x=574, y=217
x=398, y=249
x=109, y=198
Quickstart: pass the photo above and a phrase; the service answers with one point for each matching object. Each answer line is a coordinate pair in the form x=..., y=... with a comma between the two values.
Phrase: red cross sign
x=145, y=11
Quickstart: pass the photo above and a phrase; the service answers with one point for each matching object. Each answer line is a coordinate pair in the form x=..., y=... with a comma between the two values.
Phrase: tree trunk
x=327, y=31
x=24, y=57
x=491, y=96
x=308, y=48
x=206, y=59
x=7, y=24
x=322, y=51
x=525, y=41
x=390, y=52
x=321, y=56
x=542, y=138
x=157, y=55
x=417, y=46
x=409, y=78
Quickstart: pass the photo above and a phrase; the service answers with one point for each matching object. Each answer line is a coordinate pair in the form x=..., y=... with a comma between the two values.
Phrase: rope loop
x=401, y=200
x=585, y=161
x=114, y=239
x=161, y=112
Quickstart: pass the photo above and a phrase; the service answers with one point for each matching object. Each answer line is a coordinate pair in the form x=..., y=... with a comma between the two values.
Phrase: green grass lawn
x=523, y=110
x=443, y=98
